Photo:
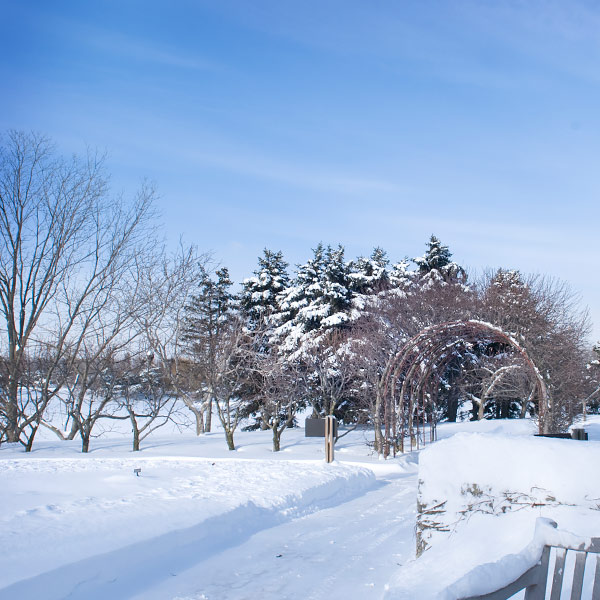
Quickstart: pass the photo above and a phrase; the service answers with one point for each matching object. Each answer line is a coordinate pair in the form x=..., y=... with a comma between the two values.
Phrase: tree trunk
x=548, y=416
x=276, y=438
x=523, y=412
x=525, y=404
x=199, y=420
x=29, y=444
x=209, y=416
x=12, y=418
x=136, y=440
x=481, y=409
x=73, y=432
x=135, y=430
x=229, y=438
x=453, y=404
x=411, y=417
x=86, y=433
x=378, y=442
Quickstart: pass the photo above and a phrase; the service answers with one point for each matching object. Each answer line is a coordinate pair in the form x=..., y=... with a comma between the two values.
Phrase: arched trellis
x=410, y=386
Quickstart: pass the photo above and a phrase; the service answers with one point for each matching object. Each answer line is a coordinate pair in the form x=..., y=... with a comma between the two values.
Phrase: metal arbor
x=410, y=385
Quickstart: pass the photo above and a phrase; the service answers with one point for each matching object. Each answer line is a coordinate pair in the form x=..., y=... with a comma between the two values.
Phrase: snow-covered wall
x=474, y=473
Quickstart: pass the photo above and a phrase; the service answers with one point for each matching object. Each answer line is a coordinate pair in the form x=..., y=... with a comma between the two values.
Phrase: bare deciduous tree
x=232, y=365
x=544, y=316
x=166, y=285
x=279, y=387
x=88, y=395
x=147, y=398
x=65, y=245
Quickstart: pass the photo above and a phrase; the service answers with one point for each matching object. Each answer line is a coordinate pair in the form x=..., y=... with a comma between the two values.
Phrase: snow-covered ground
x=85, y=526
x=201, y=522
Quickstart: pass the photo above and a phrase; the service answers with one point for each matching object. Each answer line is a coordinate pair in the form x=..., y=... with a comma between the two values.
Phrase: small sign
x=316, y=428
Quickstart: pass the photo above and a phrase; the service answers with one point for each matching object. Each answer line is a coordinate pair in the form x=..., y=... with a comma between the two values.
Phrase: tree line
x=102, y=323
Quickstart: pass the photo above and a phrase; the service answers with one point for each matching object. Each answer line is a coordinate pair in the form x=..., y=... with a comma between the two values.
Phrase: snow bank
x=505, y=462
x=492, y=474
x=95, y=518
x=510, y=427
x=479, y=497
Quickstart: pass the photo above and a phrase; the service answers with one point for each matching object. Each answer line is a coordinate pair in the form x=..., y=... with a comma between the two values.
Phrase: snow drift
x=479, y=497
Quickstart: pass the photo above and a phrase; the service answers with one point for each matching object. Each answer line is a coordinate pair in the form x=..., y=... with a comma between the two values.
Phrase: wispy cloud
x=491, y=44
x=132, y=48
x=298, y=175
x=228, y=156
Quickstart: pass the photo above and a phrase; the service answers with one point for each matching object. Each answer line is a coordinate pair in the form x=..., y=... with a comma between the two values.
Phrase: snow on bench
x=551, y=547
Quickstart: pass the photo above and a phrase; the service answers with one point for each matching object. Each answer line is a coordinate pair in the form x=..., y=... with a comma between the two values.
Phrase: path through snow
x=348, y=551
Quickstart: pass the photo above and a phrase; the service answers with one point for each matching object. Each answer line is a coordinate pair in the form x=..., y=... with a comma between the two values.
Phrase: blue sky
x=280, y=124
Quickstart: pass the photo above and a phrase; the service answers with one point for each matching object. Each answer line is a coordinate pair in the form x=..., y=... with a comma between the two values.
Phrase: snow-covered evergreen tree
x=437, y=257
x=592, y=402
x=369, y=275
x=436, y=264
x=259, y=295
x=337, y=295
x=259, y=306
x=294, y=317
x=400, y=276
x=319, y=299
x=595, y=362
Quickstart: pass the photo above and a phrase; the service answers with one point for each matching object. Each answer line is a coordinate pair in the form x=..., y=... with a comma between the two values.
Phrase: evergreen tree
x=319, y=299
x=259, y=295
x=294, y=316
x=259, y=305
x=592, y=402
x=436, y=264
x=434, y=292
x=321, y=295
x=206, y=319
x=207, y=311
x=400, y=276
x=437, y=257
x=369, y=275
x=336, y=295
